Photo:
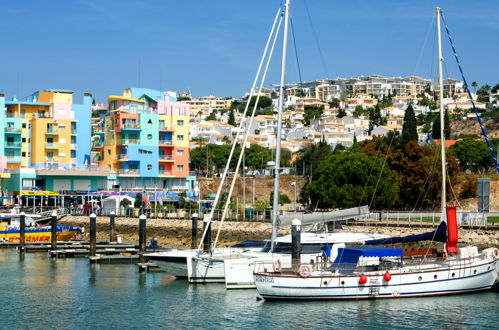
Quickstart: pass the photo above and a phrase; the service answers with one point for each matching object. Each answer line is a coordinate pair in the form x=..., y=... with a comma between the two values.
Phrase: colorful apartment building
x=45, y=131
x=143, y=137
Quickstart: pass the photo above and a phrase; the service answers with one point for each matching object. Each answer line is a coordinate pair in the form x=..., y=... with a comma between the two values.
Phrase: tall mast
x=442, y=137
x=275, y=205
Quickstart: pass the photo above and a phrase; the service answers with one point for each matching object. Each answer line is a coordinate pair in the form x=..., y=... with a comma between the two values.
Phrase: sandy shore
x=178, y=232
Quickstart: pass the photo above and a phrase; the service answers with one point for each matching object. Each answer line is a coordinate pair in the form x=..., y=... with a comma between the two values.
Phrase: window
x=73, y=140
x=180, y=123
x=24, y=125
x=180, y=152
x=73, y=153
x=149, y=167
x=180, y=138
x=23, y=140
x=23, y=154
x=145, y=152
x=41, y=113
x=149, y=121
x=108, y=152
x=180, y=167
x=149, y=136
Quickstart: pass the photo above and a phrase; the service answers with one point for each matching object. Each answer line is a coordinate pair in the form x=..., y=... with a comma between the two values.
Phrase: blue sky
x=213, y=47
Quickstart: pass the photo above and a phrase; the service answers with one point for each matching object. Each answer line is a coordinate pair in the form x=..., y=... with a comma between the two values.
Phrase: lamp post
x=294, y=200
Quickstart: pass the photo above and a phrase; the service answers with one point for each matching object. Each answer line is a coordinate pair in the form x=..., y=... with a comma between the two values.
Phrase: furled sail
x=439, y=235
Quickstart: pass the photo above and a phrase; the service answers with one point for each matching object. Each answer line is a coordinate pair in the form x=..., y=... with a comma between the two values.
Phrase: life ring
x=305, y=270
x=495, y=253
x=277, y=266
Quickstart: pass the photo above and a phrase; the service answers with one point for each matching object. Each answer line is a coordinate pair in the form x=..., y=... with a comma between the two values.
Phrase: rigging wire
x=430, y=28
x=484, y=132
x=316, y=39
x=296, y=50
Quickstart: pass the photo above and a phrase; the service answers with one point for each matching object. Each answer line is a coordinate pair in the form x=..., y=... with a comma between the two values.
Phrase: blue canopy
x=438, y=235
x=349, y=257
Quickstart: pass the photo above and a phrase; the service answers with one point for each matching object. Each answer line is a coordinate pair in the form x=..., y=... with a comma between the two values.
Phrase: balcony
x=52, y=131
x=165, y=142
x=98, y=145
x=12, y=130
x=167, y=173
x=128, y=171
x=165, y=158
x=97, y=130
x=130, y=141
x=73, y=146
x=13, y=145
x=123, y=157
x=52, y=160
x=163, y=128
x=74, y=131
x=130, y=126
x=51, y=145
x=73, y=161
x=13, y=159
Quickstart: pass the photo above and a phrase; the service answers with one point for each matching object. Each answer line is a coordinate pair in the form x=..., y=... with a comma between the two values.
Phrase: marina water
x=39, y=292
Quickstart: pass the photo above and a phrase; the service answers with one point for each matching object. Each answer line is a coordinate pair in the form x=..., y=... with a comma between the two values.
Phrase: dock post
x=93, y=234
x=53, y=231
x=295, y=243
x=142, y=233
x=22, y=231
x=112, y=233
x=207, y=236
x=194, y=240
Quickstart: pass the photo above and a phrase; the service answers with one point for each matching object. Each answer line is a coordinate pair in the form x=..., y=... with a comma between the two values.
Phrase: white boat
x=387, y=275
x=362, y=273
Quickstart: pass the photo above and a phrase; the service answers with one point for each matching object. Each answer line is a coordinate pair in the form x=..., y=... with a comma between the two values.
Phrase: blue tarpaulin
x=349, y=257
x=438, y=235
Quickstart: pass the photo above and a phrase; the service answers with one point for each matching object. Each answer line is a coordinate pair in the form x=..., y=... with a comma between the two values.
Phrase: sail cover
x=321, y=217
x=439, y=235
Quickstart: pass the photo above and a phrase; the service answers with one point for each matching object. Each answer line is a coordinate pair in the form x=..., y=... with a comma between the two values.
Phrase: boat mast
x=275, y=205
x=442, y=137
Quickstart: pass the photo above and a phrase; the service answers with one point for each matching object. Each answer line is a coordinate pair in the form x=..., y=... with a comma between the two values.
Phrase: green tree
x=232, y=119
x=447, y=129
x=351, y=179
x=472, y=153
x=409, y=129
x=341, y=113
x=283, y=199
x=494, y=89
x=335, y=103
x=263, y=102
x=474, y=85
x=435, y=132
x=309, y=158
x=212, y=115
x=312, y=112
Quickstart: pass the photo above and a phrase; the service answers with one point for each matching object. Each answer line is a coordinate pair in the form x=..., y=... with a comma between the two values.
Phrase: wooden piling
x=112, y=225
x=53, y=231
x=93, y=234
x=142, y=233
x=295, y=244
x=22, y=231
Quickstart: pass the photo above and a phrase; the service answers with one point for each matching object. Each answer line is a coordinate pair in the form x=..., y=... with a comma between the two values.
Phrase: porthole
x=149, y=136
x=453, y=274
x=149, y=167
x=325, y=282
x=420, y=278
x=474, y=272
x=435, y=277
x=342, y=282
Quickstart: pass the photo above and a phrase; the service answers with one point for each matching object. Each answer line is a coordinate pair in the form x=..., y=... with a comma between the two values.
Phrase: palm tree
x=474, y=85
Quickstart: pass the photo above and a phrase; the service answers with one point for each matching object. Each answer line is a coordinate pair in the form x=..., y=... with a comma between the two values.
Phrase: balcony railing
x=97, y=145
x=73, y=146
x=52, y=160
x=165, y=142
x=74, y=131
x=123, y=157
x=130, y=141
x=130, y=126
x=51, y=131
x=74, y=160
x=128, y=171
x=165, y=157
x=10, y=115
x=13, y=159
x=51, y=145
x=165, y=128
x=12, y=144
x=13, y=130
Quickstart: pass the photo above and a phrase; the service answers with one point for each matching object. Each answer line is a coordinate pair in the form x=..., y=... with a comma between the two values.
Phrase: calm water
x=70, y=293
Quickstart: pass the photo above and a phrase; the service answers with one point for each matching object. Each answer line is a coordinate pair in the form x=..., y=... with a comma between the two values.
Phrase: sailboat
x=381, y=272
x=235, y=266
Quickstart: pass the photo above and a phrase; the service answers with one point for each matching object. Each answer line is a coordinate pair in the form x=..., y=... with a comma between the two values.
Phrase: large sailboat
x=381, y=272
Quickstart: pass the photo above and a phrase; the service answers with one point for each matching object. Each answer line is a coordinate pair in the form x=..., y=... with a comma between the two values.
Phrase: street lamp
x=294, y=201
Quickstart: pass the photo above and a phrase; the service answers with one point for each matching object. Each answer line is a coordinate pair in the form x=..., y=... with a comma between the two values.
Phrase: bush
x=469, y=188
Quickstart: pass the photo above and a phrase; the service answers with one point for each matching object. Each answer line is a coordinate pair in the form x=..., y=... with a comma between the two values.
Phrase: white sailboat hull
x=451, y=277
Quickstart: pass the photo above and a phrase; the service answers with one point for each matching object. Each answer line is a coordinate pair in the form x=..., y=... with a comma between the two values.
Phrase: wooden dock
x=118, y=258
x=149, y=267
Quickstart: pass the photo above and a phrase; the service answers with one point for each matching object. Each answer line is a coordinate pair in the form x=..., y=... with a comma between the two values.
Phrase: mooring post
x=295, y=243
x=207, y=236
x=93, y=234
x=142, y=233
x=22, y=231
x=53, y=231
x=194, y=240
x=112, y=234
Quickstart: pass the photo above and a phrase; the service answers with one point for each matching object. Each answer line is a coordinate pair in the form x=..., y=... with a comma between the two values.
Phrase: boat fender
x=277, y=266
x=305, y=270
x=387, y=277
x=362, y=279
x=495, y=253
